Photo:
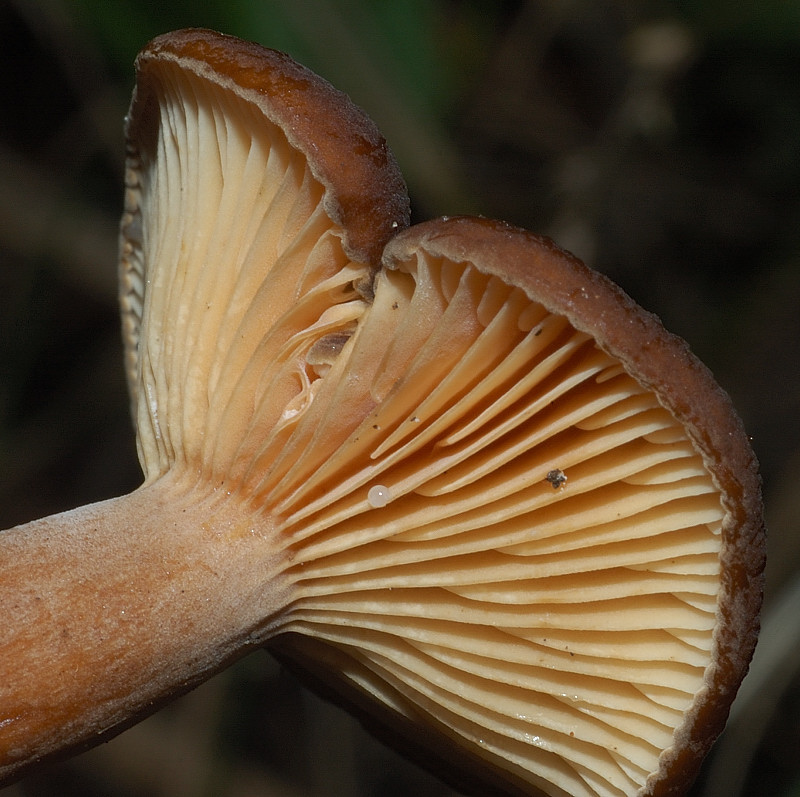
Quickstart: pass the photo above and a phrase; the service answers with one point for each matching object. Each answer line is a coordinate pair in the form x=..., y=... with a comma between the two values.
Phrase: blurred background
x=659, y=141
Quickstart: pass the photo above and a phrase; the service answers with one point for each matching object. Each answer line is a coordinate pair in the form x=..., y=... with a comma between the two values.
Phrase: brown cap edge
x=364, y=190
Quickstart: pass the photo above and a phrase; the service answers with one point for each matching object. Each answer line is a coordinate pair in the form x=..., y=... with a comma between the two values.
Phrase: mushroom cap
x=560, y=570
x=244, y=172
x=521, y=522
x=366, y=196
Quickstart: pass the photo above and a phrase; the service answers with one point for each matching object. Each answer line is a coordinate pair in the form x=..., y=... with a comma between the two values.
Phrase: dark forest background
x=659, y=141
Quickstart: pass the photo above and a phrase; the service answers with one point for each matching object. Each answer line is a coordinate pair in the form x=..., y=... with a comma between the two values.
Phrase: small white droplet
x=378, y=496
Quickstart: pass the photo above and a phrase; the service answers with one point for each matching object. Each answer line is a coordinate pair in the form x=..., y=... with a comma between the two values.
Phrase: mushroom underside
x=493, y=525
x=560, y=625
x=488, y=486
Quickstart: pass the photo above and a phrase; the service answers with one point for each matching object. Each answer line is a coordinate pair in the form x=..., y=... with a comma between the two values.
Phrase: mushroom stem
x=102, y=619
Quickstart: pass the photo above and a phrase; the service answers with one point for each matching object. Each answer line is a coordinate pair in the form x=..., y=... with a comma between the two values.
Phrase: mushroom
x=447, y=472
